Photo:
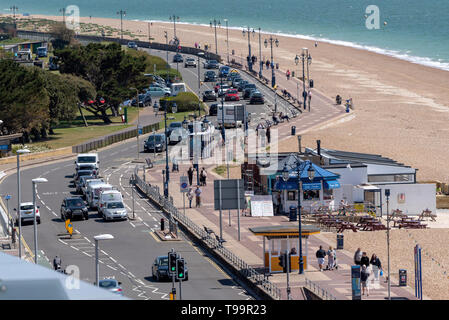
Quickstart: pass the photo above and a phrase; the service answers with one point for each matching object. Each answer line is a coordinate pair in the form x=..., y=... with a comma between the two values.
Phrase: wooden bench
x=220, y=241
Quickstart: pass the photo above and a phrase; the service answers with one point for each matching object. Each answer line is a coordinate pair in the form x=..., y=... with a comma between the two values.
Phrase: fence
x=317, y=290
x=243, y=268
x=112, y=138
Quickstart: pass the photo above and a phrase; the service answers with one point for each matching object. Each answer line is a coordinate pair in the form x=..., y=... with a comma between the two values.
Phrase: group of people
x=368, y=266
x=331, y=258
x=197, y=192
x=202, y=175
x=194, y=193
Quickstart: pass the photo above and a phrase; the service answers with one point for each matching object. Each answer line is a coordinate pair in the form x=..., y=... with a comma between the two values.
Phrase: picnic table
x=410, y=223
x=344, y=225
x=364, y=220
x=427, y=214
x=374, y=226
x=397, y=214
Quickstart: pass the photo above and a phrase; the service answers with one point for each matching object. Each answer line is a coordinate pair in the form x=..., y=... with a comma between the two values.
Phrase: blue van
x=41, y=52
x=224, y=71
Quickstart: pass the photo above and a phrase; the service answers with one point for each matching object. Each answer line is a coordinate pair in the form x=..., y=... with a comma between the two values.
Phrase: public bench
x=220, y=241
x=427, y=214
x=208, y=231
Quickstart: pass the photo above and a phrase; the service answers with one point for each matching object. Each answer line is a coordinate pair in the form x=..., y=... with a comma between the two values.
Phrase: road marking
x=86, y=254
x=154, y=236
x=111, y=267
x=75, y=248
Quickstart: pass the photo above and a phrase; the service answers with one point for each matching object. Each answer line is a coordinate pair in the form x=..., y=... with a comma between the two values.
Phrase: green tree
x=62, y=36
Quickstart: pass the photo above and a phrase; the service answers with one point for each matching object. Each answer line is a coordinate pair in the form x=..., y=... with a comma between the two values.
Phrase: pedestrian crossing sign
x=69, y=226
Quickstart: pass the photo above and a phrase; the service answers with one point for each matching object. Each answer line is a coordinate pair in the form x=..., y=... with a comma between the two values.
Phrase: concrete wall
x=354, y=177
x=418, y=197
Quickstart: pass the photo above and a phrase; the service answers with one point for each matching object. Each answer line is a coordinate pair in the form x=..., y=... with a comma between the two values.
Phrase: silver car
x=115, y=211
x=111, y=285
x=190, y=62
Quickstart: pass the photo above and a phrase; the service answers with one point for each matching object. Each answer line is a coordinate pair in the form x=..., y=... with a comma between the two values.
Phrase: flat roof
x=290, y=230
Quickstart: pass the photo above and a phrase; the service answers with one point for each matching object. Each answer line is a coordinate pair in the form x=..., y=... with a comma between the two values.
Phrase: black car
x=178, y=58
x=242, y=85
x=256, y=98
x=82, y=181
x=210, y=76
x=155, y=143
x=212, y=64
x=247, y=92
x=144, y=100
x=213, y=109
x=209, y=95
x=72, y=207
x=81, y=173
x=159, y=269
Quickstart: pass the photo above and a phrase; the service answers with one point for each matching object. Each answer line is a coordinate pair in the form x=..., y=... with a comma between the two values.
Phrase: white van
x=177, y=88
x=89, y=183
x=108, y=196
x=88, y=159
x=94, y=195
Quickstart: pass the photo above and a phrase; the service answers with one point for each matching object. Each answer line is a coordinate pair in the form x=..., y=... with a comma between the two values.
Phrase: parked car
x=190, y=62
x=158, y=92
x=26, y=213
x=111, y=285
x=155, y=143
x=224, y=71
x=178, y=58
x=213, y=109
x=211, y=64
x=209, y=95
x=256, y=98
x=114, y=211
x=210, y=76
x=144, y=100
x=132, y=45
x=247, y=92
x=232, y=95
x=159, y=269
x=72, y=207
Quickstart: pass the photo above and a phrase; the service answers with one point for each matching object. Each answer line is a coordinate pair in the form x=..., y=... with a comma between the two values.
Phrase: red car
x=232, y=95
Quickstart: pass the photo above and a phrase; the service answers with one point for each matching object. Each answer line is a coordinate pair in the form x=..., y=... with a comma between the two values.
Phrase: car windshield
x=84, y=173
x=190, y=59
x=115, y=205
x=75, y=203
x=175, y=125
x=108, y=284
x=27, y=207
x=154, y=138
x=163, y=261
x=86, y=159
x=250, y=85
x=213, y=61
x=209, y=92
x=232, y=91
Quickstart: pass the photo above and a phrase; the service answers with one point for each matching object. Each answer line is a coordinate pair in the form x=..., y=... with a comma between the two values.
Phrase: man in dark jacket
x=364, y=260
x=321, y=254
x=190, y=175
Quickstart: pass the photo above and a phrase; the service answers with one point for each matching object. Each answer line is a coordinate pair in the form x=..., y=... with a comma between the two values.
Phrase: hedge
x=185, y=101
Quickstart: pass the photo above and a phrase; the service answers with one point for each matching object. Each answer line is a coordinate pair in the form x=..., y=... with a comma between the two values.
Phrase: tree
x=111, y=71
x=62, y=36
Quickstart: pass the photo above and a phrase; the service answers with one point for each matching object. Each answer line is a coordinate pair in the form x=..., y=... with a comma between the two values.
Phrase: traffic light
x=180, y=269
x=172, y=262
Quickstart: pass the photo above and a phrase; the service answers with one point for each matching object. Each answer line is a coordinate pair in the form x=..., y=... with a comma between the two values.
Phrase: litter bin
x=311, y=83
x=292, y=213
x=293, y=74
x=340, y=241
x=277, y=66
x=162, y=224
x=293, y=130
x=402, y=277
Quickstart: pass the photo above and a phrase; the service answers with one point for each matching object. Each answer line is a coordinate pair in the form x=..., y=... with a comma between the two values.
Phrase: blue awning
x=289, y=185
x=311, y=186
x=331, y=184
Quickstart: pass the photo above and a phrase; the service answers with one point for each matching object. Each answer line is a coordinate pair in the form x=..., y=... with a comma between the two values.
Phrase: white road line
x=87, y=239
x=75, y=248
x=113, y=259
x=111, y=267
x=104, y=252
x=86, y=254
x=63, y=242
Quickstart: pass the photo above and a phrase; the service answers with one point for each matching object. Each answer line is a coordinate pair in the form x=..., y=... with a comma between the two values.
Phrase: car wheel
x=38, y=221
x=86, y=216
x=158, y=278
x=167, y=94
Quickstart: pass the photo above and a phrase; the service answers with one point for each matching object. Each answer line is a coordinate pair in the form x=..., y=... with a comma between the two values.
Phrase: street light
x=215, y=26
x=167, y=169
x=260, y=55
x=97, y=266
x=35, y=181
x=271, y=40
x=303, y=57
x=174, y=19
x=19, y=152
x=227, y=39
x=121, y=13
x=387, y=195
x=138, y=120
x=250, y=62
x=199, y=54
x=168, y=65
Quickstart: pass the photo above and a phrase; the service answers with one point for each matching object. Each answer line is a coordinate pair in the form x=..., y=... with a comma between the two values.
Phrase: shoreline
x=401, y=108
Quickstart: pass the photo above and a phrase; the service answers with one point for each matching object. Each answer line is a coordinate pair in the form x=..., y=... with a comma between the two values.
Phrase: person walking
x=330, y=258
x=309, y=96
x=268, y=64
x=358, y=257
x=204, y=176
x=190, y=175
x=376, y=266
x=198, y=196
x=364, y=275
x=288, y=74
x=364, y=260
x=268, y=134
x=320, y=254
x=190, y=196
x=57, y=263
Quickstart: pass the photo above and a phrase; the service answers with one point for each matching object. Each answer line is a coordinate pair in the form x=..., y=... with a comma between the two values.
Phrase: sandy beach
x=401, y=108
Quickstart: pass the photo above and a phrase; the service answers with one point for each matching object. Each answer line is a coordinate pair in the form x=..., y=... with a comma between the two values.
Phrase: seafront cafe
x=280, y=239
x=316, y=187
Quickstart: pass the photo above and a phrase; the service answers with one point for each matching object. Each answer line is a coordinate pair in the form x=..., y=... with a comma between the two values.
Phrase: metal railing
x=318, y=291
x=243, y=268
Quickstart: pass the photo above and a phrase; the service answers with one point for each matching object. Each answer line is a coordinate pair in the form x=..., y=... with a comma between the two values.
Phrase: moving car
x=178, y=58
x=209, y=95
x=132, y=45
x=211, y=64
x=177, y=135
x=72, y=207
x=223, y=71
x=88, y=159
x=155, y=143
x=256, y=98
x=94, y=195
x=232, y=95
x=82, y=173
x=213, y=109
x=247, y=92
x=190, y=62
x=26, y=213
x=173, y=125
x=210, y=76
x=81, y=181
x=108, y=196
x=114, y=210
x=223, y=89
x=111, y=285
x=159, y=269
x=242, y=85
x=42, y=52
x=158, y=91
x=177, y=88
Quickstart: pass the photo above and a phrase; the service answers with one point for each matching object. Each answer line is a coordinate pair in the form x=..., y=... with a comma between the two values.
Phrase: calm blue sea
x=416, y=30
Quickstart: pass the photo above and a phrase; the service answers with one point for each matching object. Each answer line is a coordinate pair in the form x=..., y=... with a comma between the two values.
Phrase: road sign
x=69, y=226
x=230, y=194
x=7, y=197
x=184, y=184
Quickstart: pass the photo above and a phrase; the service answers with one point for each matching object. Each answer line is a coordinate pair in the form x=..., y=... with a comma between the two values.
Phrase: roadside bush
x=186, y=101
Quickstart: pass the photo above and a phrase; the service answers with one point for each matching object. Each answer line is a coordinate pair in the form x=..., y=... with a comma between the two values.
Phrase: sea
x=413, y=30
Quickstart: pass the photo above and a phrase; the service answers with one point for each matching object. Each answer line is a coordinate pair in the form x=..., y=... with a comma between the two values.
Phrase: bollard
x=340, y=241
x=402, y=277
x=162, y=224
x=293, y=130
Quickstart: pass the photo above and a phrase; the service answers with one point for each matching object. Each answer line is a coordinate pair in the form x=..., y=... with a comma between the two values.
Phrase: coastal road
x=128, y=257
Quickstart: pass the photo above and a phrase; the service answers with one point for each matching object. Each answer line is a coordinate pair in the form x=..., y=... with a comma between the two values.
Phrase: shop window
x=327, y=194
x=291, y=196
x=311, y=195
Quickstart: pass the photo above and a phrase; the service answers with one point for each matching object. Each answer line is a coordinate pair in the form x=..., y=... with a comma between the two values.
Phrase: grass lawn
x=13, y=41
x=172, y=117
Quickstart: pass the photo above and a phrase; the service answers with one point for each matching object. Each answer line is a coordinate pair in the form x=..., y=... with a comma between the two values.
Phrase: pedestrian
x=204, y=176
x=309, y=96
x=320, y=254
x=57, y=263
x=376, y=266
x=268, y=64
x=259, y=127
x=316, y=44
x=288, y=74
x=364, y=275
x=358, y=257
x=330, y=258
x=198, y=196
x=190, y=175
x=364, y=260
x=268, y=133
x=196, y=45
x=190, y=196
x=293, y=251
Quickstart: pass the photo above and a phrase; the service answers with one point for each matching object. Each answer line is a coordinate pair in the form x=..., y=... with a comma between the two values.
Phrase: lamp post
x=121, y=13
x=387, y=195
x=285, y=176
x=227, y=39
x=260, y=55
x=303, y=57
x=199, y=54
x=35, y=181
x=149, y=36
x=19, y=152
x=250, y=62
x=174, y=19
x=138, y=120
x=14, y=9
x=215, y=23
x=63, y=14
x=271, y=40
x=97, y=266
x=167, y=169
x=168, y=65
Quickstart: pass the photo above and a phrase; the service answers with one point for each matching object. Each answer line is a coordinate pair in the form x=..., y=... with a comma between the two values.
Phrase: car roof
x=88, y=154
x=26, y=204
x=73, y=198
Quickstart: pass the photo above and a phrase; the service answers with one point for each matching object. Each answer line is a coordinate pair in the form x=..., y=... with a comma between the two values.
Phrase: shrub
x=186, y=101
